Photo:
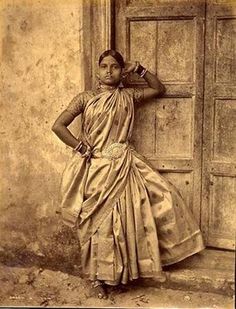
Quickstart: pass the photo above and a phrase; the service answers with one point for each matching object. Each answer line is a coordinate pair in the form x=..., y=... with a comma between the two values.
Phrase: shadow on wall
x=44, y=242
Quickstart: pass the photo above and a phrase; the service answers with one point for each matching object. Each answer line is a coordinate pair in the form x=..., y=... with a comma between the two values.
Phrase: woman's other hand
x=130, y=67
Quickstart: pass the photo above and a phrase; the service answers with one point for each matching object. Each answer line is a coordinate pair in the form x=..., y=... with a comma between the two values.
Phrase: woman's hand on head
x=130, y=66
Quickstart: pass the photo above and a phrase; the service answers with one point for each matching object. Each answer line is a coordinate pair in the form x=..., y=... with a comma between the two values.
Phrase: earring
x=97, y=82
x=124, y=75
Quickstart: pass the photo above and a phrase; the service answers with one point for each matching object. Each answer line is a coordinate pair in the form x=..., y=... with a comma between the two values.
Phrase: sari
x=131, y=221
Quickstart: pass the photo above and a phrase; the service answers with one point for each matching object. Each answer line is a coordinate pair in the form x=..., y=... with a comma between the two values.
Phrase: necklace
x=107, y=87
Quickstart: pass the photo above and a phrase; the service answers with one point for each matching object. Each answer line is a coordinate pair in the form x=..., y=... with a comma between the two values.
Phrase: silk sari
x=130, y=219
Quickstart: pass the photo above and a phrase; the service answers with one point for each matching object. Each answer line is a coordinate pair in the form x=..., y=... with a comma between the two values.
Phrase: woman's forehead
x=109, y=60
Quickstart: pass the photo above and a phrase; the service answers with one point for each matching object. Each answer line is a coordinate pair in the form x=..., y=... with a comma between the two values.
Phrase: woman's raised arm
x=155, y=86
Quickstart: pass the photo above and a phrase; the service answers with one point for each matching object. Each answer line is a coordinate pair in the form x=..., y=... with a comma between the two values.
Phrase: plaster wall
x=41, y=71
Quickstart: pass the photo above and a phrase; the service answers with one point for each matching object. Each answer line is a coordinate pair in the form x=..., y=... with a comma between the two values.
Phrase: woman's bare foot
x=100, y=289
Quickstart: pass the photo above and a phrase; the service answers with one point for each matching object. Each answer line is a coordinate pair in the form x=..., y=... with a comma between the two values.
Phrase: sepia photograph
x=118, y=154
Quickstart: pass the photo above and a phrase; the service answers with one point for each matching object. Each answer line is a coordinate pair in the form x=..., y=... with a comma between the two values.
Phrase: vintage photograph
x=118, y=153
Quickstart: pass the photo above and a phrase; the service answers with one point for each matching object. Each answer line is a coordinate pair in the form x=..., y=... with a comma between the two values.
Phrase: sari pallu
x=92, y=184
x=130, y=219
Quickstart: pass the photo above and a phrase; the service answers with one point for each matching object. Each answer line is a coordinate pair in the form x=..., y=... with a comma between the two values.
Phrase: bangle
x=141, y=71
x=78, y=147
x=144, y=71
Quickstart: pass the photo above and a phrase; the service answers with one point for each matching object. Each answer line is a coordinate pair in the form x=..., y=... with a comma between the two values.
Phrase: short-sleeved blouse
x=78, y=103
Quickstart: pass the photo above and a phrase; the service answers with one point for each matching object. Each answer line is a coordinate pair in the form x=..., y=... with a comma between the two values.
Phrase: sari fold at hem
x=183, y=250
x=147, y=275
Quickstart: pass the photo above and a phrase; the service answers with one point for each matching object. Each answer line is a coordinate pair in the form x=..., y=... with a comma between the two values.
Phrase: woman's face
x=109, y=71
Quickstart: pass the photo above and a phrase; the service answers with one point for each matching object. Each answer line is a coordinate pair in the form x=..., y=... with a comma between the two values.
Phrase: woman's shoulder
x=131, y=90
x=87, y=94
x=136, y=93
x=79, y=101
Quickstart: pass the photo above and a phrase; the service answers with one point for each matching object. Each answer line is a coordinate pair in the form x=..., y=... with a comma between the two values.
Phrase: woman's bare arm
x=61, y=130
x=155, y=86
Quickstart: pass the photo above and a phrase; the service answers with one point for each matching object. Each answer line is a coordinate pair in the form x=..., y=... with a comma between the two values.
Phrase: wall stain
x=25, y=26
x=8, y=47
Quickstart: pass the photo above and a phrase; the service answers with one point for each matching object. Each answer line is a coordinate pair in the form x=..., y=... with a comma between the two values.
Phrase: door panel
x=219, y=150
x=167, y=37
x=225, y=69
x=184, y=183
x=224, y=130
x=176, y=63
x=171, y=114
x=138, y=30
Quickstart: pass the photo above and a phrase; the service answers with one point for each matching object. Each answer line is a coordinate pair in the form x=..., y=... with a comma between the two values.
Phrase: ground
x=35, y=286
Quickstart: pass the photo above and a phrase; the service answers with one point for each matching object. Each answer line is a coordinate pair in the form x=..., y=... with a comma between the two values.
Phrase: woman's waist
x=110, y=151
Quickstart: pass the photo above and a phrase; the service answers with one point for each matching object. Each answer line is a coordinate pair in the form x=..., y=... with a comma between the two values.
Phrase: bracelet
x=141, y=71
x=78, y=147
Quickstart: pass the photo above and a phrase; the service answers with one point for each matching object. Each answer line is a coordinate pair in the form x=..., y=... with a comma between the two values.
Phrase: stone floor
x=49, y=277
x=208, y=271
x=33, y=286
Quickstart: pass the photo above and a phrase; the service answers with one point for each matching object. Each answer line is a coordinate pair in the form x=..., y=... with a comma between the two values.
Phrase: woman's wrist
x=139, y=69
x=78, y=147
x=81, y=148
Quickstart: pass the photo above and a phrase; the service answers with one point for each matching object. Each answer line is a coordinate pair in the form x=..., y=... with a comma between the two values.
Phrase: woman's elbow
x=55, y=128
x=162, y=90
x=159, y=91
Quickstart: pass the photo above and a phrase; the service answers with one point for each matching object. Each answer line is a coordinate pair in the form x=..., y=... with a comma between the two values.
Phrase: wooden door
x=167, y=37
x=219, y=149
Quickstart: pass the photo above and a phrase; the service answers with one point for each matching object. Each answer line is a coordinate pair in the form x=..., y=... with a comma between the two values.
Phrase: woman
x=130, y=220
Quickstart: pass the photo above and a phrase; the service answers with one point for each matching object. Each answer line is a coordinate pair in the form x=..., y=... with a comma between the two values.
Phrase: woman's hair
x=117, y=56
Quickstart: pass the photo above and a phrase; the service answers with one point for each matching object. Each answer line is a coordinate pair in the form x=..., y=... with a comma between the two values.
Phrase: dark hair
x=117, y=56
